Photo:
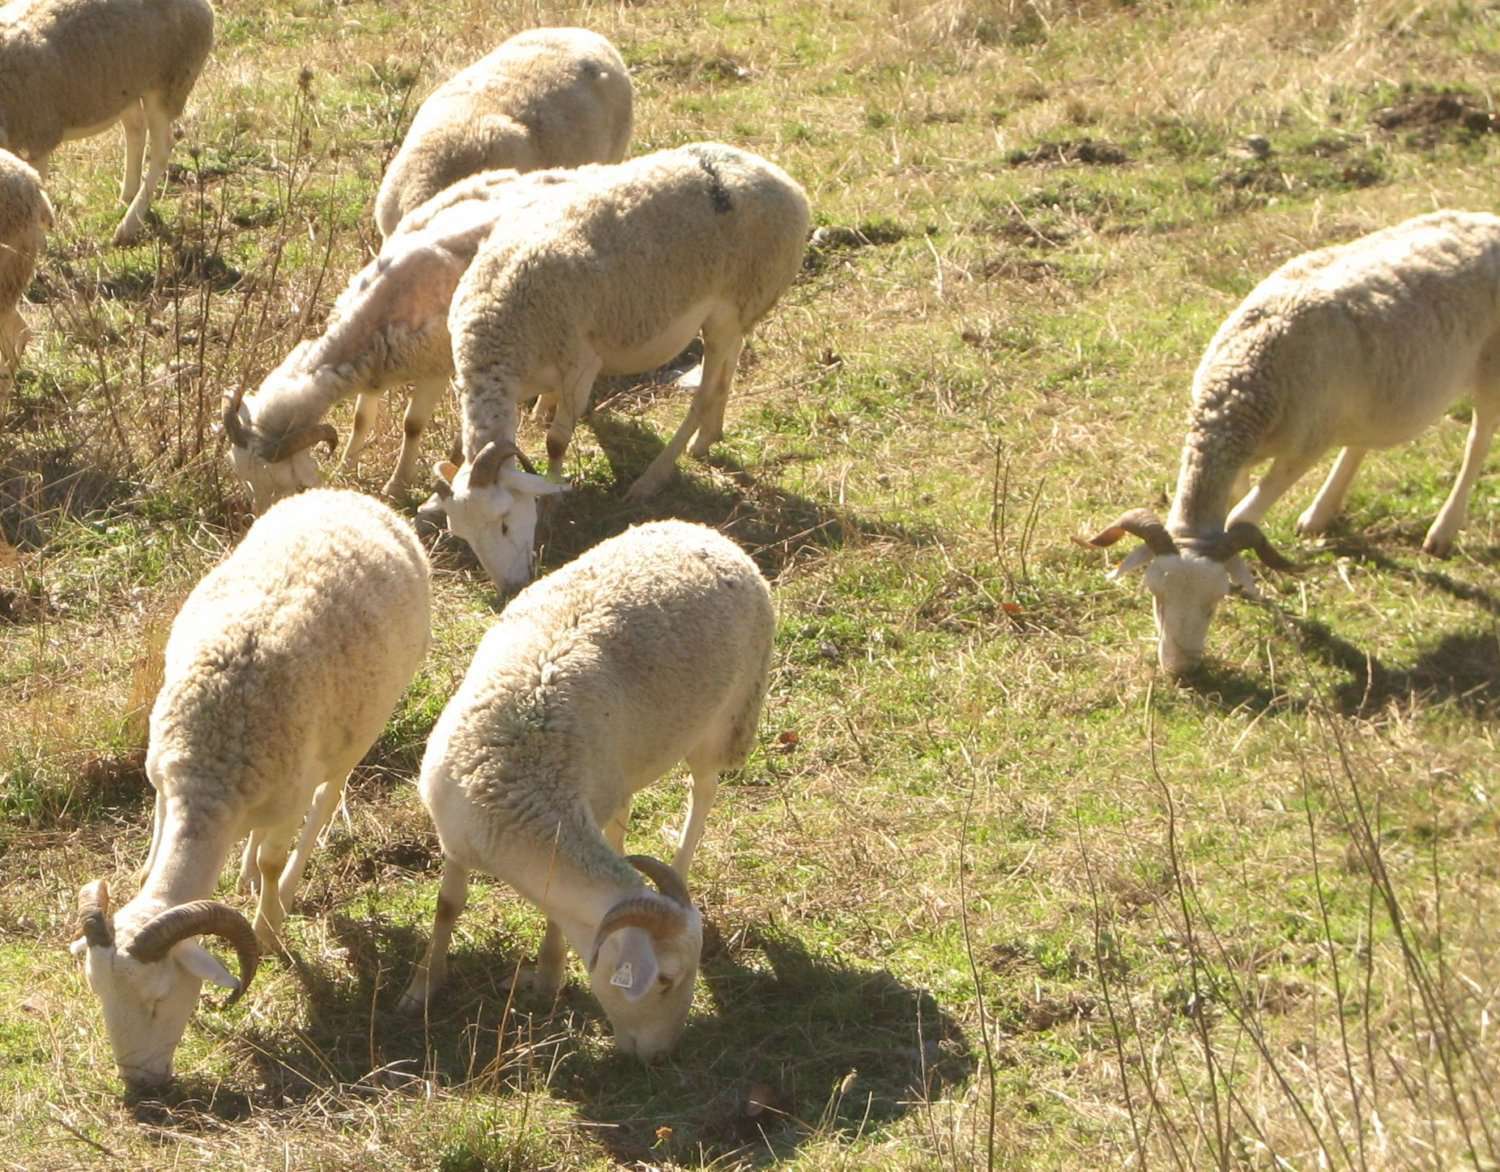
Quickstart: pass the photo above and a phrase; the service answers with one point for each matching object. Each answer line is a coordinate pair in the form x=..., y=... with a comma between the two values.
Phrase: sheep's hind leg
x=720, y=352
x=1330, y=499
x=453, y=894
x=1451, y=516
x=159, y=124
x=366, y=419
x=134, y=122
x=1284, y=472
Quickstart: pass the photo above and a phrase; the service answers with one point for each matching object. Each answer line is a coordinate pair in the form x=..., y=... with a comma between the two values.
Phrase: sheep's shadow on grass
x=797, y=1045
x=774, y=525
x=794, y=1045
x=37, y=488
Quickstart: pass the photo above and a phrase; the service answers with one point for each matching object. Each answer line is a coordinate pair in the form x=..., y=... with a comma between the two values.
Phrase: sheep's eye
x=504, y=529
x=663, y=983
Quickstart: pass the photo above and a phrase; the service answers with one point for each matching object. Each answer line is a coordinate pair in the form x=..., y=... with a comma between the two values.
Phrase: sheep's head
x=645, y=962
x=272, y=469
x=149, y=986
x=491, y=504
x=1187, y=578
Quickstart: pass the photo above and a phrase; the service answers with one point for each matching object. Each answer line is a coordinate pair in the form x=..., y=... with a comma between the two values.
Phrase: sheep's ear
x=446, y=471
x=635, y=967
x=1241, y=578
x=1134, y=560
x=79, y=946
x=203, y=964
x=520, y=481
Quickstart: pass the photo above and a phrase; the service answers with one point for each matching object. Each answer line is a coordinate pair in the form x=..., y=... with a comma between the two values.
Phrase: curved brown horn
x=201, y=917
x=1243, y=535
x=490, y=459
x=233, y=428
x=1142, y=523
x=318, y=433
x=654, y=914
x=94, y=923
x=668, y=881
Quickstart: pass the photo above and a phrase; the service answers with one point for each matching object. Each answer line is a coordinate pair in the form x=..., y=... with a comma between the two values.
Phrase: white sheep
x=651, y=648
x=548, y=97
x=72, y=68
x=1361, y=345
x=281, y=669
x=616, y=279
x=25, y=216
x=389, y=326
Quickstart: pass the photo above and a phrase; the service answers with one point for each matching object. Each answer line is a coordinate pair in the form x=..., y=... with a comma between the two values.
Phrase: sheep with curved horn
x=650, y=649
x=281, y=669
x=1361, y=345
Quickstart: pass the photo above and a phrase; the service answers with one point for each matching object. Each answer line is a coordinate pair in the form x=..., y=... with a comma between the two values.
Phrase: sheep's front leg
x=453, y=894
x=159, y=124
x=156, y=820
x=424, y=400
x=1450, y=518
x=1284, y=472
x=270, y=912
x=366, y=419
x=1330, y=499
x=572, y=401
x=325, y=802
x=134, y=122
x=700, y=802
x=249, y=874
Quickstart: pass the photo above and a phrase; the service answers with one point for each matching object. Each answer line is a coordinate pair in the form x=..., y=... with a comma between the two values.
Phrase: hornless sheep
x=617, y=279
x=1363, y=345
x=389, y=326
x=281, y=669
x=25, y=216
x=651, y=648
x=548, y=97
x=72, y=68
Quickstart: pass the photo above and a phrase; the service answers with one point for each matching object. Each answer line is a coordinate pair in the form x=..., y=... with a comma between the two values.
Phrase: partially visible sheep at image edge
x=547, y=97
x=25, y=216
x=1361, y=345
x=651, y=648
x=281, y=670
x=72, y=68
x=617, y=279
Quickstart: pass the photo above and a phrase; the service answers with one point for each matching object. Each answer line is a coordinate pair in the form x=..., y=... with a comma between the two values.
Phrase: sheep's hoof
x=127, y=234
x=1438, y=547
x=643, y=489
x=413, y=1003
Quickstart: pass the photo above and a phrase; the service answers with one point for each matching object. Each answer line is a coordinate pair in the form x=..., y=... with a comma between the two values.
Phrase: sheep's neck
x=489, y=413
x=1205, y=483
x=188, y=859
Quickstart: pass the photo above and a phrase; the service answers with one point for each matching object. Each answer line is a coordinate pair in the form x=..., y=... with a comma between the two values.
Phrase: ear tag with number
x=622, y=977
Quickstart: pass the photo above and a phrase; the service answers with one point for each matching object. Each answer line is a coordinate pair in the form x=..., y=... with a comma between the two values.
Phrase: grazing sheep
x=615, y=280
x=72, y=68
x=548, y=97
x=1363, y=345
x=389, y=326
x=651, y=648
x=281, y=669
x=25, y=216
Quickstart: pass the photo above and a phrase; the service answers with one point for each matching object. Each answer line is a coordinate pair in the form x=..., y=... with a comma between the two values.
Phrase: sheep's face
x=1186, y=588
x=498, y=520
x=645, y=985
x=147, y=1005
x=271, y=480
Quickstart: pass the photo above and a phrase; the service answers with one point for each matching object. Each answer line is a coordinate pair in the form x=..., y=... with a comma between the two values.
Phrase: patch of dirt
x=1010, y=268
x=1089, y=151
x=1428, y=114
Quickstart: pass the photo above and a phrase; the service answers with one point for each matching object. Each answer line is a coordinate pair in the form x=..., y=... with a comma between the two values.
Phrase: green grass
x=989, y=889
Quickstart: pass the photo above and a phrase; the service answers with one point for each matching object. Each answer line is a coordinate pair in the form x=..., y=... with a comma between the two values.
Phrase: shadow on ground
x=788, y=1045
x=1461, y=667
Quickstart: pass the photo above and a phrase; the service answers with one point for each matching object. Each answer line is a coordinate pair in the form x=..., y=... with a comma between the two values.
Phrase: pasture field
x=991, y=891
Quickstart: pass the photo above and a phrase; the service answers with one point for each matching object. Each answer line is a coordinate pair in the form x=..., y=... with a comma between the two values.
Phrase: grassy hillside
x=991, y=891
